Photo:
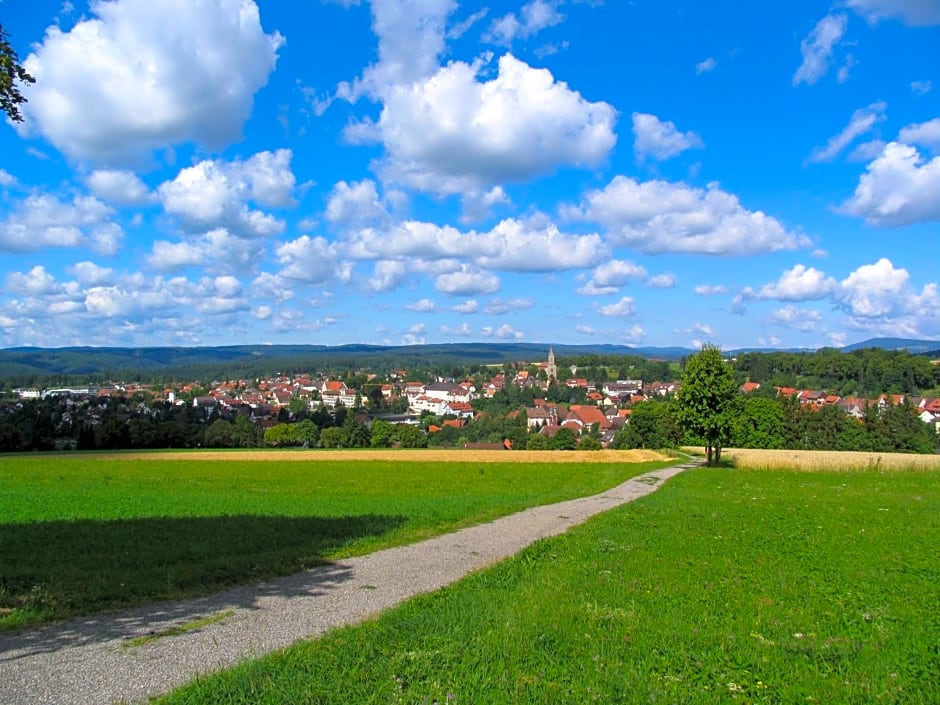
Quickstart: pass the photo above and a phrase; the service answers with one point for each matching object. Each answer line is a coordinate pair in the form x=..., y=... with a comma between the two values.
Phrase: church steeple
x=551, y=369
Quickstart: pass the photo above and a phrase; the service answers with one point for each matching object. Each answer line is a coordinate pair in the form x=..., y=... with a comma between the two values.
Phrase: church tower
x=551, y=369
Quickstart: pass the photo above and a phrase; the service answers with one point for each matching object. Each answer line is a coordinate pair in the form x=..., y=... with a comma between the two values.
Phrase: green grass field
x=724, y=586
x=80, y=534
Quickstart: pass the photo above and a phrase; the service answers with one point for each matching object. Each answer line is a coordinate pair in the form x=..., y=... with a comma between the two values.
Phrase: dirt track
x=437, y=455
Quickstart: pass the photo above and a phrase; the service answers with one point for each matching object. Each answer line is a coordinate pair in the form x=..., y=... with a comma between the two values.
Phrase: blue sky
x=645, y=173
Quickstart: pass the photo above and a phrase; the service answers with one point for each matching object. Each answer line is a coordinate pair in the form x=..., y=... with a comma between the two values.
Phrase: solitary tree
x=707, y=400
x=11, y=72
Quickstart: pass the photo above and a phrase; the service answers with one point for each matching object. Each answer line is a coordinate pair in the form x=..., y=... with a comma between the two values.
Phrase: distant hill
x=917, y=347
x=123, y=363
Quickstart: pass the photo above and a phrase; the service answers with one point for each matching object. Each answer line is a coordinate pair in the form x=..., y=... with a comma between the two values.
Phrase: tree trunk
x=708, y=454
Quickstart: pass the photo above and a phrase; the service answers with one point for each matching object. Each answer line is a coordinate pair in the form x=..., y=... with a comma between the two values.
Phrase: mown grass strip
x=190, y=626
x=82, y=534
x=722, y=587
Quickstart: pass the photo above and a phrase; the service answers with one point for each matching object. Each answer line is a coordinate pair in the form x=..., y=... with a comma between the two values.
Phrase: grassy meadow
x=85, y=533
x=724, y=586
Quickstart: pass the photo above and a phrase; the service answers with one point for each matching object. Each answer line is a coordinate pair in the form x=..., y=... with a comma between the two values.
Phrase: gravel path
x=92, y=660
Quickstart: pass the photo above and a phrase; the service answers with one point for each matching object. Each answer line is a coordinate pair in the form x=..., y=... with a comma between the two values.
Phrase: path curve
x=93, y=660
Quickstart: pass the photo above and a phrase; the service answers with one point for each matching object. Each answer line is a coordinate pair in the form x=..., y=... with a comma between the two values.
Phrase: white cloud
x=609, y=277
x=537, y=246
x=41, y=220
x=355, y=204
x=661, y=281
x=141, y=76
x=916, y=13
x=706, y=65
x=312, y=260
x=866, y=151
x=862, y=121
x=533, y=18
x=801, y=283
x=451, y=133
x=121, y=187
x=387, y=274
x=499, y=307
x=467, y=282
x=898, y=188
x=461, y=28
x=90, y=274
x=660, y=140
x=700, y=329
x=710, y=289
x=468, y=306
x=217, y=250
x=215, y=194
x=817, y=48
x=636, y=334
x=874, y=290
x=6, y=179
x=411, y=38
x=921, y=87
x=802, y=319
x=505, y=332
x=272, y=286
x=422, y=305
x=624, y=308
x=924, y=134
x=658, y=216
x=463, y=330
x=35, y=282
x=477, y=205
x=531, y=245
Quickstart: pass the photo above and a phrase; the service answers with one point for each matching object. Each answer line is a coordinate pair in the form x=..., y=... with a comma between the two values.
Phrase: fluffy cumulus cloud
x=658, y=217
x=877, y=298
x=499, y=307
x=312, y=261
x=100, y=304
x=42, y=220
x=660, y=140
x=504, y=332
x=609, y=277
x=355, y=204
x=801, y=283
x=862, y=121
x=532, y=19
x=453, y=133
x=874, y=290
x=621, y=309
x=537, y=246
x=123, y=188
x=216, y=194
x=817, y=48
x=217, y=251
x=899, y=187
x=411, y=38
x=916, y=13
x=467, y=282
x=531, y=245
x=801, y=319
x=924, y=134
x=140, y=75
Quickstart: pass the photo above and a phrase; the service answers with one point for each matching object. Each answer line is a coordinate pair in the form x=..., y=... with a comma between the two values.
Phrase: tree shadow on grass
x=60, y=569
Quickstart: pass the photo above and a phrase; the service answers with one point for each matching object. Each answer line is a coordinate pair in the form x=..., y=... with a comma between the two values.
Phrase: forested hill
x=27, y=366
x=249, y=360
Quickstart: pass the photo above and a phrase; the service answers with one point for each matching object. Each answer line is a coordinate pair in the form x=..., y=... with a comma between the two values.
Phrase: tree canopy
x=708, y=399
x=11, y=73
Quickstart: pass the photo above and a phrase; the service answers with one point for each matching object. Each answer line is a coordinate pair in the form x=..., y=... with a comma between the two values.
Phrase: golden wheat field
x=432, y=455
x=808, y=460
